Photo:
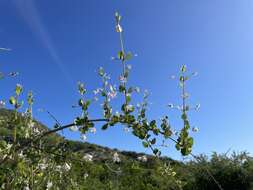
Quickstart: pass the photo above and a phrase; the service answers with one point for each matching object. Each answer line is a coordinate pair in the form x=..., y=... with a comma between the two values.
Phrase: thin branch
x=68, y=126
x=54, y=118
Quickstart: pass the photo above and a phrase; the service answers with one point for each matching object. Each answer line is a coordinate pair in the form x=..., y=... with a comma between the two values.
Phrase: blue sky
x=55, y=44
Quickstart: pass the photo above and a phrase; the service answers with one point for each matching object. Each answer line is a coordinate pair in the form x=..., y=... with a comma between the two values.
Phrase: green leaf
x=121, y=55
x=143, y=115
x=153, y=141
x=128, y=98
x=80, y=102
x=177, y=146
x=190, y=141
x=153, y=124
x=79, y=121
x=183, y=69
x=181, y=78
x=81, y=88
x=128, y=56
x=156, y=131
x=105, y=126
x=12, y=100
x=156, y=152
x=130, y=90
x=145, y=144
x=117, y=17
x=30, y=98
x=167, y=133
x=18, y=89
x=122, y=88
x=184, y=116
x=101, y=71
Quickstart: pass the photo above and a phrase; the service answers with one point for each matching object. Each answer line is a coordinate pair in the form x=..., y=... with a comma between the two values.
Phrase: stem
x=123, y=63
x=67, y=126
x=183, y=92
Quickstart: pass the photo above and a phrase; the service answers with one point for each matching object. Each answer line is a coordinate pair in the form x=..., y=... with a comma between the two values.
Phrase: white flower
x=146, y=93
x=117, y=114
x=137, y=89
x=116, y=158
x=123, y=79
x=180, y=107
x=85, y=175
x=66, y=166
x=118, y=28
x=8, y=146
x=21, y=155
x=58, y=168
x=129, y=107
x=42, y=166
x=107, y=77
x=19, y=86
x=170, y=105
x=112, y=88
x=49, y=185
x=112, y=94
x=244, y=160
x=26, y=188
x=13, y=74
x=185, y=95
x=195, y=129
x=174, y=132
x=129, y=67
x=2, y=104
x=143, y=158
x=73, y=128
x=96, y=91
x=3, y=186
x=36, y=131
x=101, y=71
x=88, y=157
x=31, y=124
x=83, y=137
x=93, y=130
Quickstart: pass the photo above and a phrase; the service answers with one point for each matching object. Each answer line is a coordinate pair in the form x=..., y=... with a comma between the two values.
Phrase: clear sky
x=57, y=43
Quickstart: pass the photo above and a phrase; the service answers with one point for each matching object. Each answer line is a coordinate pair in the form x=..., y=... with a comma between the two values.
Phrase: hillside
x=99, y=153
x=94, y=167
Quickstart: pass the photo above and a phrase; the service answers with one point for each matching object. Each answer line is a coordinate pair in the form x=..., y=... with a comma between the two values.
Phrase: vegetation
x=92, y=167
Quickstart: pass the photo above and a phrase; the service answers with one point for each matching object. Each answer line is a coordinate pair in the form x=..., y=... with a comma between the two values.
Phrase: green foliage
x=233, y=173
